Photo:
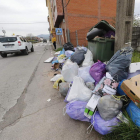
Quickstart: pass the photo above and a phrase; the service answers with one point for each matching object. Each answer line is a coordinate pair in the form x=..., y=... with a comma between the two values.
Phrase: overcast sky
x=23, y=11
x=28, y=11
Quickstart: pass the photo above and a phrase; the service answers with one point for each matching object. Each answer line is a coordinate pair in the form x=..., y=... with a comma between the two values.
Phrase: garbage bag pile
x=97, y=92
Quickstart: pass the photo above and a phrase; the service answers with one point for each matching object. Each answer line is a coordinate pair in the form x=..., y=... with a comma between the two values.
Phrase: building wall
x=85, y=14
x=50, y=14
x=80, y=16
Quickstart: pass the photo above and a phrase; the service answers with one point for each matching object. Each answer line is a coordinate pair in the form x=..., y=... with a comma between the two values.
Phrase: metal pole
x=76, y=37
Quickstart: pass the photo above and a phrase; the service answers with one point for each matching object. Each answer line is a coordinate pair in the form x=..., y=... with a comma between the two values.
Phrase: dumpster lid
x=103, y=25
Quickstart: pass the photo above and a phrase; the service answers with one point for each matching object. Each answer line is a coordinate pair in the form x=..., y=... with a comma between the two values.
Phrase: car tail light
x=19, y=43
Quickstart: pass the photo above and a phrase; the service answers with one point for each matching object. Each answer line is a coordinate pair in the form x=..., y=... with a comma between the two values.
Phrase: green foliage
x=33, y=41
x=135, y=57
x=136, y=21
x=124, y=131
x=59, y=49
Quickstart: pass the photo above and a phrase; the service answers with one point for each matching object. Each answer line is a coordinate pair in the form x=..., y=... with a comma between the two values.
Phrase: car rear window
x=8, y=39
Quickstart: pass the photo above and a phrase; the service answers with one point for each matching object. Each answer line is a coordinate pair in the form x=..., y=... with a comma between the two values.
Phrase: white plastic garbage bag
x=69, y=70
x=83, y=72
x=56, y=77
x=88, y=59
x=69, y=53
x=79, y=91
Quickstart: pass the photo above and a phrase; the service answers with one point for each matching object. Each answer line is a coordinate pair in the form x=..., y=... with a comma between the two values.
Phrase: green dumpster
x=101, y=48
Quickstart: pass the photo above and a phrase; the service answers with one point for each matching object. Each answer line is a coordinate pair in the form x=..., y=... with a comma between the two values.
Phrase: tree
x=136, y=22
x=29, y=36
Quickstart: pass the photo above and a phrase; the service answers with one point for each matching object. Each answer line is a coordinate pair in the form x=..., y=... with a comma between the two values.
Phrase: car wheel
x=32, y=49
x=3, y=55
x=26, y=51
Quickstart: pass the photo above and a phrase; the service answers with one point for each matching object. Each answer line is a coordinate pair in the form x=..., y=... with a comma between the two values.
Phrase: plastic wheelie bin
x=102, y=48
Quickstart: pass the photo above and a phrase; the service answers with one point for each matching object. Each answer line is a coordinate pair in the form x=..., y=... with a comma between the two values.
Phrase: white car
x=10, y=45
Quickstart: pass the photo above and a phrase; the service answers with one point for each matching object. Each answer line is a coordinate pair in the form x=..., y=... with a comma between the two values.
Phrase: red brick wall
x=59, y=7
x=84, y=14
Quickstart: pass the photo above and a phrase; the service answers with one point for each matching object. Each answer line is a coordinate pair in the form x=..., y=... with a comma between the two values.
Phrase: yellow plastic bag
x=61, y=56
x=56, y=83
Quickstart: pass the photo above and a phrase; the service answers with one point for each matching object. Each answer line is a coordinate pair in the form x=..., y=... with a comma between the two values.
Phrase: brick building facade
x=76, y=17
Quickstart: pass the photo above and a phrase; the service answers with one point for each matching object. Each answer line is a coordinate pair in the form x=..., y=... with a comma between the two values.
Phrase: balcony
x=57, y=12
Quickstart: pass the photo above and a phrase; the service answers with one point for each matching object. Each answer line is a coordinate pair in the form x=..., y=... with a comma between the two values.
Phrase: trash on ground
x=131, y=88
x=98, y=71
x=91, y=106
x=102, y=126
x=56, y=84
x=134, y=67
x=118, y=66
x=109, y=106
x=56, y=77
x=75, y=110
x=79, y=91
x=88, y=61
x=48, y=60
x=63, y=88
x=68, y=46
x=68, y=53
x=90, y=85
x=122, y=118
x=83, y=72
x=48, y=100
x=78, y=56
x=69, y=70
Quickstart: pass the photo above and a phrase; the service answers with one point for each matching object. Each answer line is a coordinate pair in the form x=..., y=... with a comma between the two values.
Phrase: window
x=21, y=39
x=8, y=39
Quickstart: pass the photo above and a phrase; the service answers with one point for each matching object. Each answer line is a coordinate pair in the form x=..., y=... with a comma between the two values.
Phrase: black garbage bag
x=118, y=65
x=95, y=32
x=78, y=56
x=68, y=46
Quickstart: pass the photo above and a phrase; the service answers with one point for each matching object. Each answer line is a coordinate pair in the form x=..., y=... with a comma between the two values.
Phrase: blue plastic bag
x=134, y=113
x=62, y=52
x=132, y=110
x=75, y=110
x=102, y=126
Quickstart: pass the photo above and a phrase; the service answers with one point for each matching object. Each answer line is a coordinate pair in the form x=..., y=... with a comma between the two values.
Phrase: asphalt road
x=41, y=116
x=15, y=75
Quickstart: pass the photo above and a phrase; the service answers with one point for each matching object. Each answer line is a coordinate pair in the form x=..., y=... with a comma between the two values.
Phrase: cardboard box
x=131, y=87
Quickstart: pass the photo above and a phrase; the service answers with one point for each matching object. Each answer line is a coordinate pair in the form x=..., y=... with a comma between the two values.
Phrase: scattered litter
x=90, y=85
x=78, y=56
x=79, y=91
x=56, y=84
x=119, y=64
x=48, y=60
x=83, y=72
x=75, y=110
x=102, y=126
x=49, y=100
x=56, y=77
x=91, y=106
x=69, y=70
x=63, y=88
x=88, y=61
x=134, y=67
x=109, y=106
x=97, y=71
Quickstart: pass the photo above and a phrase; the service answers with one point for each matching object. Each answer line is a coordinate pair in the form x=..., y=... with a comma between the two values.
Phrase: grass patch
x=124, y=131
x=135, y=57
x=59, y=49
